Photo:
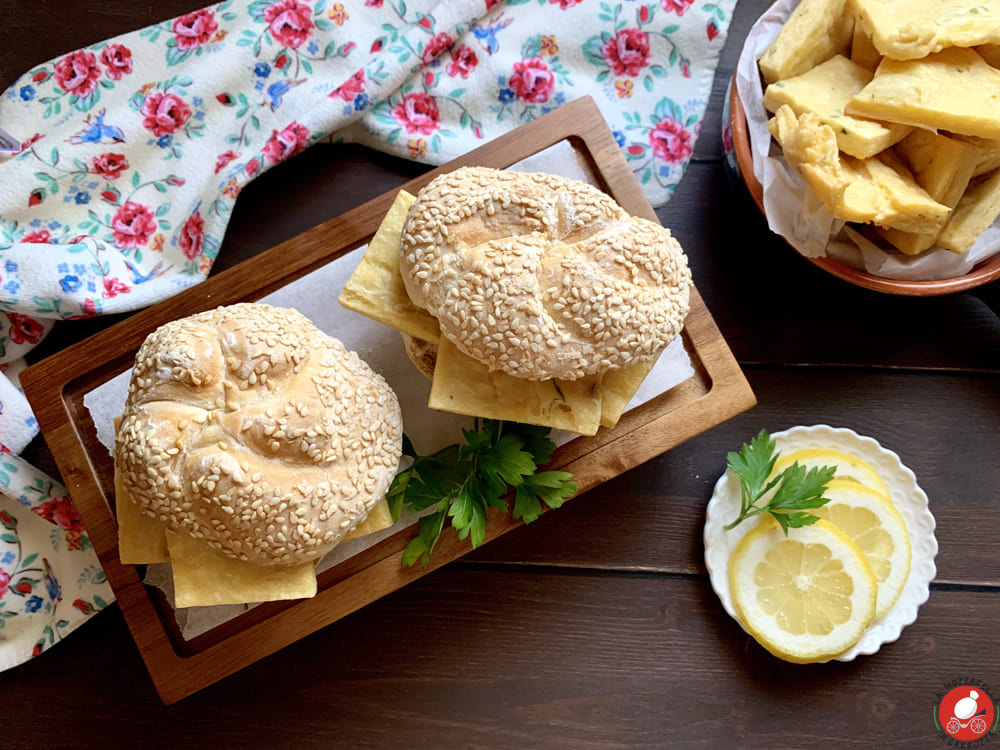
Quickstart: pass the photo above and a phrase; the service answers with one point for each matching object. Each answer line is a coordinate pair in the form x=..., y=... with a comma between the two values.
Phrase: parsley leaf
x=796, y=489
x=505, y=463
x=462, y=482
x=549, y=487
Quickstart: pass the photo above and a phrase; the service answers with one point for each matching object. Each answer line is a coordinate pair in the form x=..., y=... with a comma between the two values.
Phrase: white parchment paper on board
x=797, y=215
x=315, y=296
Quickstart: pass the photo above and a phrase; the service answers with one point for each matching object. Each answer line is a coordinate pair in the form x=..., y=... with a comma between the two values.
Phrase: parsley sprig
x=796, y=489
x=462, y=481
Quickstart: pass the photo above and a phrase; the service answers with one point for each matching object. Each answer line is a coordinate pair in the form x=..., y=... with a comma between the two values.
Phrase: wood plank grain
x=710, y=139
x=642, y=661
x=650, y=519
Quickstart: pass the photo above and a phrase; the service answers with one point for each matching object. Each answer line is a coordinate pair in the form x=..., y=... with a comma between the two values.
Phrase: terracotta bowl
x=984, y=272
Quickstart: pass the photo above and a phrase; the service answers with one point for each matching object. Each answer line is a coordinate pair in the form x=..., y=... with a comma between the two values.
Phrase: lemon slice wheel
x=848, y=466
x=873, y=523
x=805, y=597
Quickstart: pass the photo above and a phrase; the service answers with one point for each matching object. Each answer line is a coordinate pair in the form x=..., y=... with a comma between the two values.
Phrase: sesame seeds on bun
x=248, y=427
x=540, y=276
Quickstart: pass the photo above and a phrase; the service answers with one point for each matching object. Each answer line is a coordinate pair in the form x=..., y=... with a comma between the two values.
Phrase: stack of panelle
x=890, y=112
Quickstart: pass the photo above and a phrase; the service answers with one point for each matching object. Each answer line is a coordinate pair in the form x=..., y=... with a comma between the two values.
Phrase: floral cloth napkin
x=120, y=164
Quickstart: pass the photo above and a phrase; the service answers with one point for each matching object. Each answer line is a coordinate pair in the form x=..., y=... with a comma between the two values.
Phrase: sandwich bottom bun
x=250, y=429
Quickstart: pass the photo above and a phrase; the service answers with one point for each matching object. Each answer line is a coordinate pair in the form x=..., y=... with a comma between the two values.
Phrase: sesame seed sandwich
x=251, y=444
x=524, y=296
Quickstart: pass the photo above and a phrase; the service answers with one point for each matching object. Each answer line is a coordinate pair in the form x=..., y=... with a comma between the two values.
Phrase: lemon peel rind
x=876, y=484
x=802, y=649
x=892, y=588
x=912, y=504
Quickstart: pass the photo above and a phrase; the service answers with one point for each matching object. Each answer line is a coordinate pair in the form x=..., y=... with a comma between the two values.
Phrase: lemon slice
x=873, y=523
x=806, y=597
x=848, y=466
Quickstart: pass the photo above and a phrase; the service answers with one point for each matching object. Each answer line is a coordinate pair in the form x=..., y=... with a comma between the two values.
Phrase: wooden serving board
x=57, y=385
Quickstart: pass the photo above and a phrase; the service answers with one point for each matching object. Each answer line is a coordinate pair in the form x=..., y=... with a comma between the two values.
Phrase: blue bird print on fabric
x=487, y=35
x=52, y=586
x=95, y=131
x=138, y=277
x=276, y=91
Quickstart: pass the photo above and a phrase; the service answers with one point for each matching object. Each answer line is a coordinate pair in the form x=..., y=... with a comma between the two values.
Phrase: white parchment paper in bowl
x=315, y=296
x=797, y=215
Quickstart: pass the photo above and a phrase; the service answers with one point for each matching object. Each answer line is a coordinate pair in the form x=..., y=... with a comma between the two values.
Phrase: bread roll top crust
x=248, y=427
x=541, y=276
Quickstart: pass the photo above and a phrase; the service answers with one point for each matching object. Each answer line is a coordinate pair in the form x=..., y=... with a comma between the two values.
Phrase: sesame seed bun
x=248, y=427
x=540, y=276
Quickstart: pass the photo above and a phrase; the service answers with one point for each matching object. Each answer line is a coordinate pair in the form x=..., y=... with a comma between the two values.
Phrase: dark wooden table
x=596, y=627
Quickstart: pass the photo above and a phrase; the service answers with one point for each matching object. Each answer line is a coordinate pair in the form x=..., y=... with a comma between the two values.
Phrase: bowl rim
x=982, y=273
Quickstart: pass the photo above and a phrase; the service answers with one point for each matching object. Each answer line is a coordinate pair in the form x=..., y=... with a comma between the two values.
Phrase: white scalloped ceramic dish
x=911, y=501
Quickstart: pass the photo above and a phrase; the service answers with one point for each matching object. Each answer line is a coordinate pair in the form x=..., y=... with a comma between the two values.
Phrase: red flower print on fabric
x=417, y=113
x=532, y=81
x=438, y=44
x=289, y=22
x=4, y=582
x=670, y=141
x=113, y=287
x=85, y=607
x=164, y=113
x=110, y=166
x=676, y=6
x=132, y=225
x=286, y=144
x=564, y=4
x=194, y=29
x=118, y=60
x=78, y=73
x=463, y=61
x=350, y=88
x=24, y=329
x=25, y=145
x=61, y=512
x=223, y=159
x=192, y=236
x=39, y=237
x=627, y=52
